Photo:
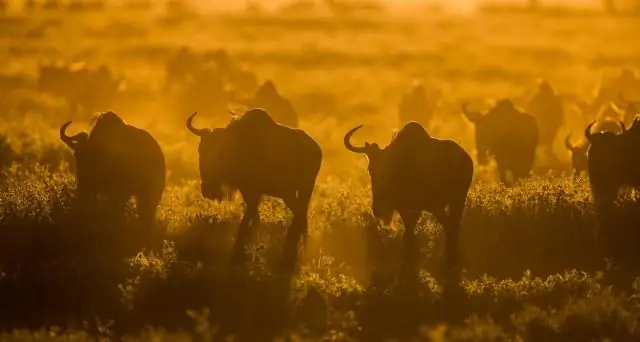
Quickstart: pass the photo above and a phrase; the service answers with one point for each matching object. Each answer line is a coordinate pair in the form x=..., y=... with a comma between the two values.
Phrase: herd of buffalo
x=263, y=152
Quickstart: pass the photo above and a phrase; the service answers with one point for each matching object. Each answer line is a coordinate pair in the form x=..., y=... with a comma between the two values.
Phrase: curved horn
x=63, y=132
x=471, y=116
x=347, y=141
x=567, y=142
x=587, y=131
x=69, y=140
x=465, y=110
x=196, y=131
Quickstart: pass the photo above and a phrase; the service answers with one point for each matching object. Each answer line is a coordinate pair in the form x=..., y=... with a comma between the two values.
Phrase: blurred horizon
x=390, y=6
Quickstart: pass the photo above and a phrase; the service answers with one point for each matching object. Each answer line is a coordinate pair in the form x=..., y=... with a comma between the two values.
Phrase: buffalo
x=579, y=160
x=613, y=165
x=578, y=156
x=258, y=156
x=625, y=86
x=415, y=106
x=268, y=97
x=546, y=106
x=508, y=134
x=613, y=161
x=243, y=81
x=118, y=161
x=416, y=173
x=184, y=64
x=206, y=90
x=84, y=88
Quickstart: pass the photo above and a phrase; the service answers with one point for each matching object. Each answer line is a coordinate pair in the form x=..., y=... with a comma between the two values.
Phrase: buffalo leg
x=147, y=211
x=299, y=227
x=244, y=230
x=502, y=173
x=409, y=248
x=604, y=199
x=116, y=204
x=519, y=174
x=452, y=231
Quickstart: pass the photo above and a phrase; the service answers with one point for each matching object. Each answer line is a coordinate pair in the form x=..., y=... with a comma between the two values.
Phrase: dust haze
x=132, y=157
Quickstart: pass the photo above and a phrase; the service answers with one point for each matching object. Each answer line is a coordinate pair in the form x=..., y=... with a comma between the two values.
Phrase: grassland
x=529, y=266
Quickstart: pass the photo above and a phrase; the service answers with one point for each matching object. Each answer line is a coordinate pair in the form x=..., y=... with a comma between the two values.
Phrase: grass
x=530, y=271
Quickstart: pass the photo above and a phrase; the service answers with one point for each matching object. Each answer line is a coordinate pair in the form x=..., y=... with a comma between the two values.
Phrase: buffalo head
x=482, y=133
x=578, y=154
x=379, y=172
x=84, y=157
x=545, y=88
x=604, y=152
x=208, y=153
x=602, y=136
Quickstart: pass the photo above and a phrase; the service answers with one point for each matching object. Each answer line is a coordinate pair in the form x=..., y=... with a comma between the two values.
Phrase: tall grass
x=529, y=260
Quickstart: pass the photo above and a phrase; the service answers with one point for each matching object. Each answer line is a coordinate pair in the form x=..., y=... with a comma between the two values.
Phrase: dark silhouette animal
x=180, y=67
x=578, y=152
x=548, y=109
x=416, y=106
x=507, y=134
x=87, y=90
x=625, y=86
x=278, y=107
x=579, y=160
x=205, y=90
x=187, y=66
x=416, y=173
x=613, y=161
x=258, y=156
x=242, y=81
x=117, y=161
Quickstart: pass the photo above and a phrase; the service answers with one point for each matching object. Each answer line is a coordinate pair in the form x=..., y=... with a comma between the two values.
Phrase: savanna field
x=529, y=269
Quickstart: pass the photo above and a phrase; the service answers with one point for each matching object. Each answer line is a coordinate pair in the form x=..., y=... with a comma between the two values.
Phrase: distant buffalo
x=258, y=156
x=281, y=109
x=186, y=65
x=117, y=161
x=416, y=106
x=508, y=134
x=416, y=173
x=85, y=89
x=578, y=156
x=579, y=159
x=546, y=106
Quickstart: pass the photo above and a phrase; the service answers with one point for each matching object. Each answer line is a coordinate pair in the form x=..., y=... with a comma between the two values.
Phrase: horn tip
x=64, y=126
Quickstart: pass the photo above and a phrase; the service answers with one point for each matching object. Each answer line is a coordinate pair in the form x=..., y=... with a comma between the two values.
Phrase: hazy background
x=340, y=68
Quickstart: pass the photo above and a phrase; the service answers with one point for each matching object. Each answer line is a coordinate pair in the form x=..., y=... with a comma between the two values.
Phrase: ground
x=529, y=266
